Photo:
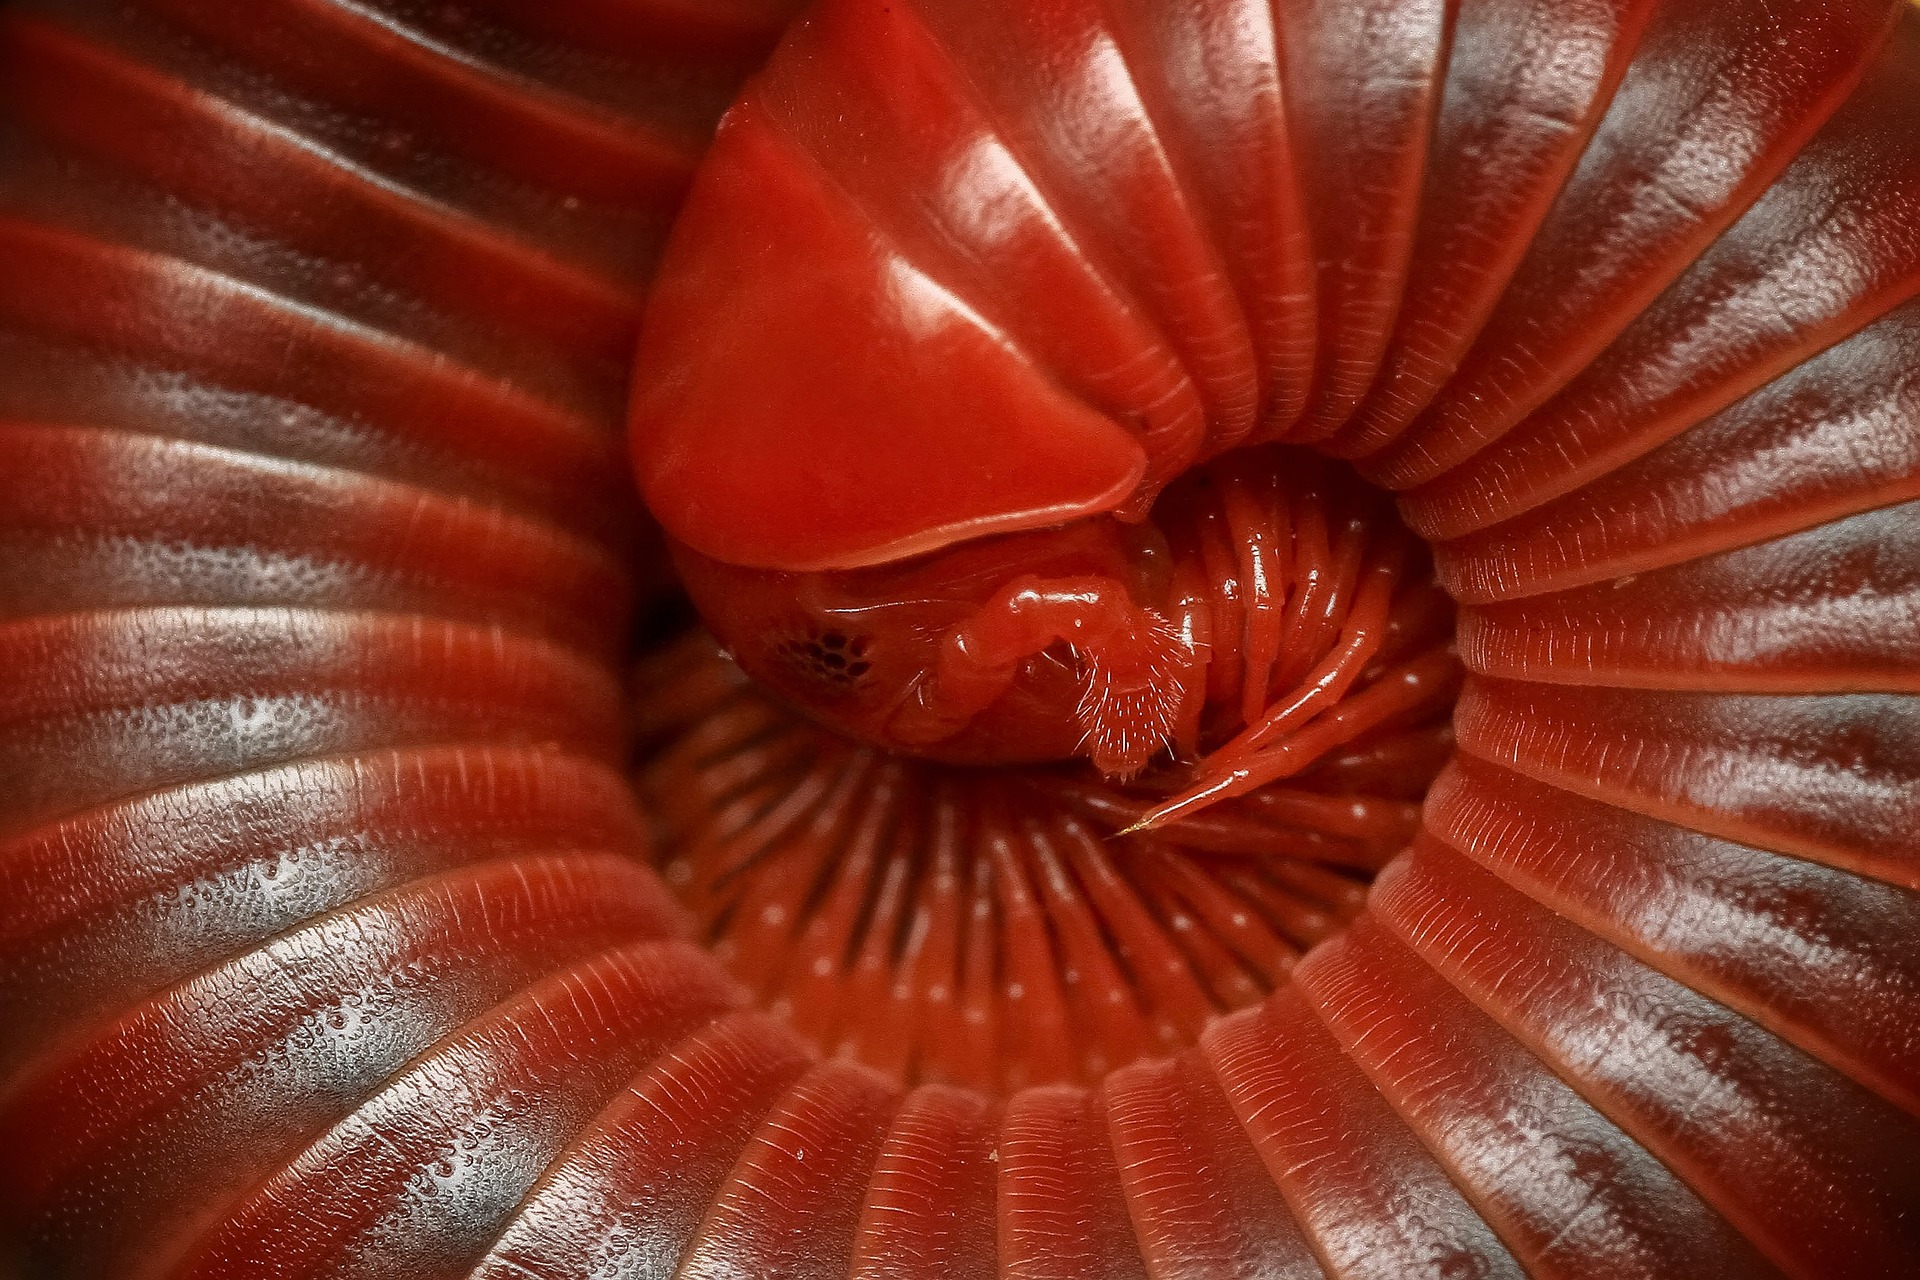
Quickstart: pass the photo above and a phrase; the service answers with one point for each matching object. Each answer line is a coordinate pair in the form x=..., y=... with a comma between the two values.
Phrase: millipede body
x=1302, y=657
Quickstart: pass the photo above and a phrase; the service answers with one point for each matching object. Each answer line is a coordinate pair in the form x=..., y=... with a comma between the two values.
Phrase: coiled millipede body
x=1324, y=612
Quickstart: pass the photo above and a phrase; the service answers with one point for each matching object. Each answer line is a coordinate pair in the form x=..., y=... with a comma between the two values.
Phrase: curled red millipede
x=1449, y=466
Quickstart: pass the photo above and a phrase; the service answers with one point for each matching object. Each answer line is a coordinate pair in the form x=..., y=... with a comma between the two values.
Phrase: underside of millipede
x=397, y=880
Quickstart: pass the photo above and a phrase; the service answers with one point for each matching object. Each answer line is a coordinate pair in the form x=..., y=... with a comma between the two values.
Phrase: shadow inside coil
x=330, y=937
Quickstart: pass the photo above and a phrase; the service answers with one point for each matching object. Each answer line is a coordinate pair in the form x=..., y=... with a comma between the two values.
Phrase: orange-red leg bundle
x=1306, y=662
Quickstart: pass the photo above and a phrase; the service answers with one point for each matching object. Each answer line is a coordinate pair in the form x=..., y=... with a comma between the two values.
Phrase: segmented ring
x=328, y=939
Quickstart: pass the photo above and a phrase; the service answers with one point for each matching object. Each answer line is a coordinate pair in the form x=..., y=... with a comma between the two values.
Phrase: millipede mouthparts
x=1063, y=639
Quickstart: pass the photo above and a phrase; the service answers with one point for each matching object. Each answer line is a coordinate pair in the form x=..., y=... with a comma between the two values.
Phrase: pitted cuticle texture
x=341, y=936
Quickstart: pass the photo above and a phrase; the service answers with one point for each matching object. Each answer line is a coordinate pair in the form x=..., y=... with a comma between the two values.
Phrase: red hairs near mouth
x=1310, y=632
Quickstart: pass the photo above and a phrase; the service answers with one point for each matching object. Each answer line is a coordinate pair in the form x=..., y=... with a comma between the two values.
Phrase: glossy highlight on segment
x=1183, y=375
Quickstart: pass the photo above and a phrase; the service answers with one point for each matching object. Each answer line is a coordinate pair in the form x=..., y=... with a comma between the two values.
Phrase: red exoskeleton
x=1057, y=511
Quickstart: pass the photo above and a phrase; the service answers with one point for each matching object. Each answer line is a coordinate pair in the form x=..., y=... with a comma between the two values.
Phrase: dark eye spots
x=832, y=662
